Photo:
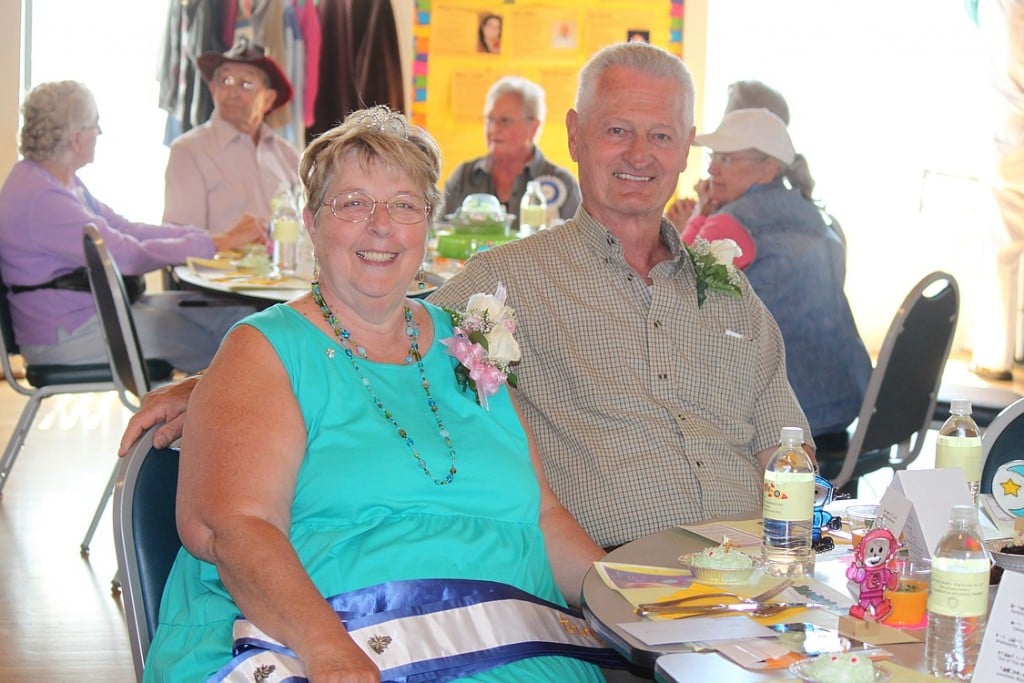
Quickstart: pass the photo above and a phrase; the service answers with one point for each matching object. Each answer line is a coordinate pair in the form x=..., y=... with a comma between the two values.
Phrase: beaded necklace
x=412, y=330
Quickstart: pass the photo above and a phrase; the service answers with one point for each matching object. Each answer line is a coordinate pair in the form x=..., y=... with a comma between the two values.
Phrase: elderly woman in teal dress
x=349, y=509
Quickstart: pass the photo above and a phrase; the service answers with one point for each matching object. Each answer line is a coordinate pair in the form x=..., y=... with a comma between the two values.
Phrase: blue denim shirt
x=798, y=273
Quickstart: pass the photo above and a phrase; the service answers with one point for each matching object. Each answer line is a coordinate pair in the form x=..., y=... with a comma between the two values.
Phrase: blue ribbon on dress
x=430, y=630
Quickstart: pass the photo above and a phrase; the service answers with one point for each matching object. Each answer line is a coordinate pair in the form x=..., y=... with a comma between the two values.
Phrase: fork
x=760, y=610
x=676, y=605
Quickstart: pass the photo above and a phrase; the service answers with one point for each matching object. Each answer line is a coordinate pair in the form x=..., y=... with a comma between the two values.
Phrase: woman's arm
x=722, y=226
x=244, y=443
x=571, y=550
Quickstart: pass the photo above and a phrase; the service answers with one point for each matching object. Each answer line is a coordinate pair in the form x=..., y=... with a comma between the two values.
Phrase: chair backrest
x=1002, y=442
x=8, y=345
x=145, y=537
x=123, y=349
x=900, y=398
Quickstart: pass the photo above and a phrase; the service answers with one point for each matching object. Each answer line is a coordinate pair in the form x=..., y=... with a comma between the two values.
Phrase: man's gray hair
x=644, y=57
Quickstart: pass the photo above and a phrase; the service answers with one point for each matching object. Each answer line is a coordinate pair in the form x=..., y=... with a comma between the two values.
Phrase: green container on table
x=480, y=223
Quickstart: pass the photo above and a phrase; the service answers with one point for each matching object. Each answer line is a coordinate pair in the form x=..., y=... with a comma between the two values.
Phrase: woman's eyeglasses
x=356, y=207
x=729, y=158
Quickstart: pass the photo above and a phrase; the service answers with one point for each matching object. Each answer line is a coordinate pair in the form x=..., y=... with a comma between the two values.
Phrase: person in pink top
x=44, y=207
x=232, y=165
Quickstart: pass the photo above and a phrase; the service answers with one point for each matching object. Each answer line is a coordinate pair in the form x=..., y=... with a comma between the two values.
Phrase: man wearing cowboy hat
x=227, y=169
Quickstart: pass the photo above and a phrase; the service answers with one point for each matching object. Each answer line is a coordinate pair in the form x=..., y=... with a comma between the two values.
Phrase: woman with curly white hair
x=44, y=207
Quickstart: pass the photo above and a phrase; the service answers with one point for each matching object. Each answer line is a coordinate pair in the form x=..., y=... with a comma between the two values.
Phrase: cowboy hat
x=244, y=52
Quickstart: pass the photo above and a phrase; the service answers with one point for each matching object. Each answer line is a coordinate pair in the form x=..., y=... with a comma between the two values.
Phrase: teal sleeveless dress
x=364, y=512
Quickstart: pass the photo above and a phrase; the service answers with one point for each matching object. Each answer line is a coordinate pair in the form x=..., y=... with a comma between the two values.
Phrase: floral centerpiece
x=484, y=344
x=713, y=263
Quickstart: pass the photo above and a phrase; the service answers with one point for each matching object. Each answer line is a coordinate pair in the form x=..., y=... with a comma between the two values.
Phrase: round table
x=604, y=609
x=263, y=296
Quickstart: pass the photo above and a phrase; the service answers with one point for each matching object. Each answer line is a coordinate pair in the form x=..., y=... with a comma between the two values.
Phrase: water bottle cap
x=792, y=435
x=960, y=406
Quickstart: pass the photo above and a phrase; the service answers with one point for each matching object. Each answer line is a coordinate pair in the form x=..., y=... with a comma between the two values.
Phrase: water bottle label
x=284, y=230
x=532, y=215
x=959, y=451
x=789, y=496
x=959, y=588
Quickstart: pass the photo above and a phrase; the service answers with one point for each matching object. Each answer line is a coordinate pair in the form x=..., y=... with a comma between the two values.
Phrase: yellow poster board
x=546, y=41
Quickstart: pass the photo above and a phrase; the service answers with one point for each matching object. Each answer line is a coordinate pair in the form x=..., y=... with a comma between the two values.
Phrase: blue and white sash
x=430, y=630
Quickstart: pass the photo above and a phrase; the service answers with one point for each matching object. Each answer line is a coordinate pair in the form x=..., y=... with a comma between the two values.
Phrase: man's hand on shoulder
x=166, y=404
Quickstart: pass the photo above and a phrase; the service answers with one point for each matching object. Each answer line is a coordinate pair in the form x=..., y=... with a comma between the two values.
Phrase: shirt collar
x=598, y=238
x=225, y=134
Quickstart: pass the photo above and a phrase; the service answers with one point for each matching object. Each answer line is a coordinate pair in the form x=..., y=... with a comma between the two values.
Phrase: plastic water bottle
x=533, y=210
x=959, y=445
x=284, y=230
x=957, y=598
x=788, y=508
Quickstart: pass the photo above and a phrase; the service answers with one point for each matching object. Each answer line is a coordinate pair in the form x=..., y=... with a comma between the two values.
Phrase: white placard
x=696, y=629
x=893, y=511
x=1002, y=650
x=932, y=493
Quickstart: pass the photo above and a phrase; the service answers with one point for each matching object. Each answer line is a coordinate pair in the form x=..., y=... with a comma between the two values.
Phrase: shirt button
x=657, y=324
x=662, y=375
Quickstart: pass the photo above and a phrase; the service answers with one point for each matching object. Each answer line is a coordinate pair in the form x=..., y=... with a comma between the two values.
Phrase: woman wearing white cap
x=793, y=260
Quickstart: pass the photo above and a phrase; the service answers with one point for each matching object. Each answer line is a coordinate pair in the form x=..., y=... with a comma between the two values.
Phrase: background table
x=264, y=296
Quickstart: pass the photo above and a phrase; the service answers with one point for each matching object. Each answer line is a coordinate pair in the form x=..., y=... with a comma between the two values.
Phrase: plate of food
x=1008, y=553
x=844, y=667
x=722, y=564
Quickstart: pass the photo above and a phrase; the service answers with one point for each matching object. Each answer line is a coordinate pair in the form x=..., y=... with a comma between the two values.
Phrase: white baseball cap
x=751, y=129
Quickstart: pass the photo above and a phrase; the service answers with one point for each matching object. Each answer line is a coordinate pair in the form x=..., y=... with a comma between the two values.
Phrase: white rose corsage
x=713, y=263
x=484, y=344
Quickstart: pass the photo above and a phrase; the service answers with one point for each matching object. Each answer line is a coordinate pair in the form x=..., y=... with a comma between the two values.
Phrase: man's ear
x=270, y=103
x=572, y=122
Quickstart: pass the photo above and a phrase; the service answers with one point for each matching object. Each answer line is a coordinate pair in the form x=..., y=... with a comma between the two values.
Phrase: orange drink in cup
x=910, y=599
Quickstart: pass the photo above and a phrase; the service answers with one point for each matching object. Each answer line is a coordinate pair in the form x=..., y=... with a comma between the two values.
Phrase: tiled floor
x=58, y=619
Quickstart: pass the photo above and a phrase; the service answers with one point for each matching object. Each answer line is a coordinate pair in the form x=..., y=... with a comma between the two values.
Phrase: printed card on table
x=932, y=494
x=1001, y=658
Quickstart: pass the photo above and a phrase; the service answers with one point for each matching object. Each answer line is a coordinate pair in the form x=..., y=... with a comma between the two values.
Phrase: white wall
x=888, y=104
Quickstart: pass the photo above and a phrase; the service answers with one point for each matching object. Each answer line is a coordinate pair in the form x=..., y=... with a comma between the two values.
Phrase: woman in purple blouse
x=44, y=207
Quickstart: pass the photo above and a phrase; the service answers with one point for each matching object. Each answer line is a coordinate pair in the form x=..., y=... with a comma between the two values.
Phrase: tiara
x=382, y=119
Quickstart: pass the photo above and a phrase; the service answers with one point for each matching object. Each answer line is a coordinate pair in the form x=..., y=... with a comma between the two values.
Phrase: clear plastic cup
x=861, y=519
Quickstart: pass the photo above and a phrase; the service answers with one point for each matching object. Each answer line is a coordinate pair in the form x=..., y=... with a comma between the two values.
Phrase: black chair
x=900, y=400
x=127, y=364
x=1002, y=442
x=42, y=382
x=145, y=537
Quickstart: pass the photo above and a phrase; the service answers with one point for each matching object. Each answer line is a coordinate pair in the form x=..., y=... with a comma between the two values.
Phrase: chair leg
x=17, y=440
x=107, y=492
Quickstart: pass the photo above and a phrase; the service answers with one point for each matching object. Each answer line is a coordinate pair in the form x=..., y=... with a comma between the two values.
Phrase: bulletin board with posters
x=547, y=41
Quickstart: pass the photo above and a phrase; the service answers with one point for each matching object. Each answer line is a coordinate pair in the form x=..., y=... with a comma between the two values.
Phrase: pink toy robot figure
x=870, y=569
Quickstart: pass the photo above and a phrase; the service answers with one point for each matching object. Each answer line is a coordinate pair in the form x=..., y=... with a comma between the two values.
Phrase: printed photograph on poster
x=564, y=35
x=489, y=33
x=634, y=35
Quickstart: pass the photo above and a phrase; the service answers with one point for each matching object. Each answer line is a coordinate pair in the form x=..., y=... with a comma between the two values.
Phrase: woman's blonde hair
x=51, y=114
x=375, y=135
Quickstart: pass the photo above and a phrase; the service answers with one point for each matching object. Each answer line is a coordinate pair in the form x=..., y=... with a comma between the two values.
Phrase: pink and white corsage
x=484, y=344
